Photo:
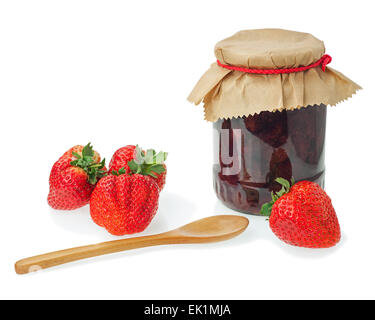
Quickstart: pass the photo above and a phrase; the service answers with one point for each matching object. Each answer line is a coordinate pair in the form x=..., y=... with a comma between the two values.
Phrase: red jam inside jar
x=251, y=152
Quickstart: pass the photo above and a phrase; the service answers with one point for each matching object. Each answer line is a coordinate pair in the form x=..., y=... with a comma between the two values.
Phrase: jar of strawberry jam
x=251, y=152
x=267, y=97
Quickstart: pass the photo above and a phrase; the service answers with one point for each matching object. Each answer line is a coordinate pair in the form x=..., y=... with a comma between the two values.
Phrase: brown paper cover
x=228, y=94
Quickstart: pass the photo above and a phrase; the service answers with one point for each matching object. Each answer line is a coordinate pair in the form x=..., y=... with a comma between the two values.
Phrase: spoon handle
x=55, y=258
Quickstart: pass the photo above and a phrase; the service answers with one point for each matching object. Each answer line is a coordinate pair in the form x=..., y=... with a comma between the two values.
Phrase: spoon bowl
x=215, y=228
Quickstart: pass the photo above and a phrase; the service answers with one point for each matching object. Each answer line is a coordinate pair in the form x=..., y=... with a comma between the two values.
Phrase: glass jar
x=251, y=152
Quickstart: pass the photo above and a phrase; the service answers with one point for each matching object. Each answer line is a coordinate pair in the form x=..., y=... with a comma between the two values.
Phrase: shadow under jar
x=251, y=152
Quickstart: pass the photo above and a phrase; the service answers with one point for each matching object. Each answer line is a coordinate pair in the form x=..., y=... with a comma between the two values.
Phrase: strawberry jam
x=251, y=152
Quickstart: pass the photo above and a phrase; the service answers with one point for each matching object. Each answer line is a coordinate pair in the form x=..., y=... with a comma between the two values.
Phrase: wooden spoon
x=211, y=229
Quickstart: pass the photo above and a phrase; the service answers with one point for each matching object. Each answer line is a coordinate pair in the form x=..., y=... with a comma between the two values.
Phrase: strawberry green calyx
x=267, y=207
x=119, y=172
x=86, y=162
x=147, y=163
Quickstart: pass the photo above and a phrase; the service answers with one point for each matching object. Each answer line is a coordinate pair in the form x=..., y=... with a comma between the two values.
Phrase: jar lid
x=269, y=49
x=233, y=87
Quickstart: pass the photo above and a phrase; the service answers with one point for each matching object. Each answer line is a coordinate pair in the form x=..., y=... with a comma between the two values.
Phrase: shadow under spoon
x=211, y=229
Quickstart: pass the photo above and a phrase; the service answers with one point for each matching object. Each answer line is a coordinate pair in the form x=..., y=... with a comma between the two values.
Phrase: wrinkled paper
x=227, y=93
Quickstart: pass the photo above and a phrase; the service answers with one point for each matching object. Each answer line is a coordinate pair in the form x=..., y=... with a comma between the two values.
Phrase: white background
x=119, y=72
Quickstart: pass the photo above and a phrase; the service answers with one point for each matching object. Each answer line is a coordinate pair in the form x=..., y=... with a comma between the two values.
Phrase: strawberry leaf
x=77, y=155
x=134, y=166
x=157, y=168
x=273, y=196
x=88, y=151
x=122, y=171
x=161, y=157
x=74, y=163
x=88, y=159
x=152, y=175
x=149, y=158
x=292, y=181
x=285, y=183
x=266, y=209
x=139, y=157
x=281, y=192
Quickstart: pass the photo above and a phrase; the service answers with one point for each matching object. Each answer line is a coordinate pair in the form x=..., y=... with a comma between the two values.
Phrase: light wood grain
x=211, y=229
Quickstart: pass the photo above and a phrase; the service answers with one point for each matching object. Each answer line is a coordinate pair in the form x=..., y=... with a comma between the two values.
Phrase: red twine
x=323, y=61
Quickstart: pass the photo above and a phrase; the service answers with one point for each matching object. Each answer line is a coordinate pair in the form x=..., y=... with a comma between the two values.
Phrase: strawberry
x=303, y=215
x=134, y=160
x=121, y=158
x=73, y=178
x=123, y=203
